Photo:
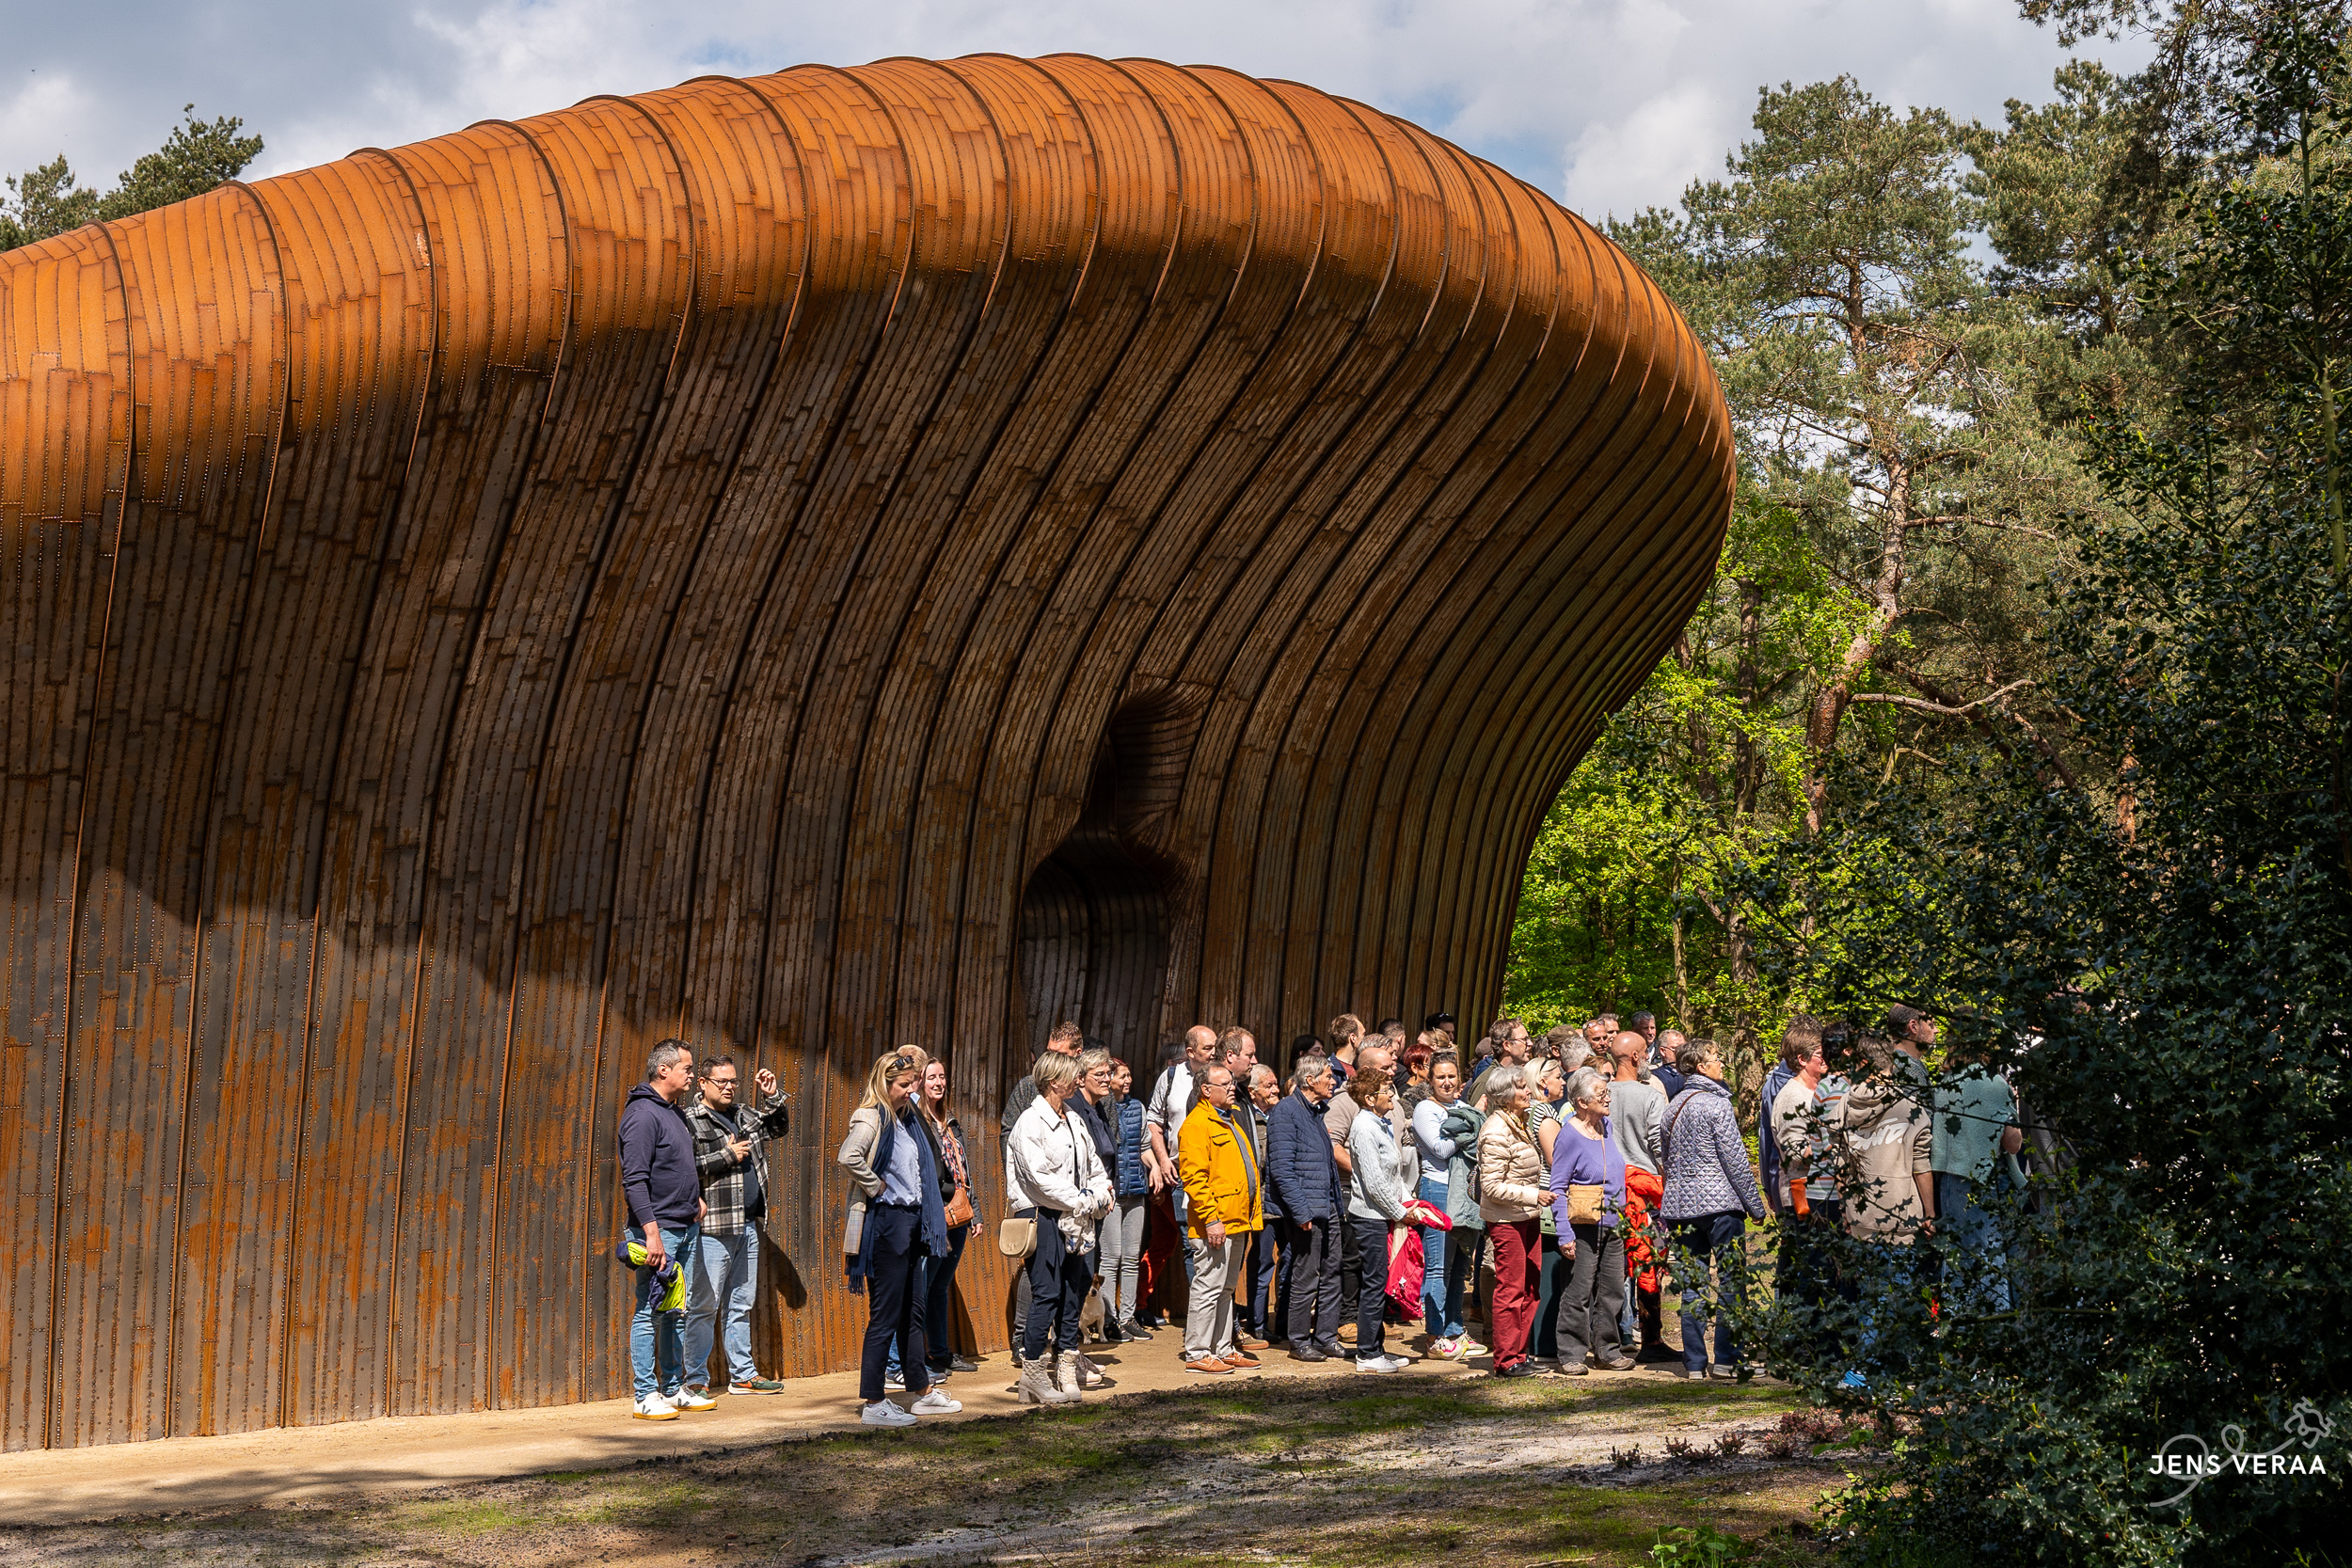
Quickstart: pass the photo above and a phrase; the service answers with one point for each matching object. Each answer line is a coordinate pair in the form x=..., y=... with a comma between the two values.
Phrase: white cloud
x=1612, y=103
x=1645, y=157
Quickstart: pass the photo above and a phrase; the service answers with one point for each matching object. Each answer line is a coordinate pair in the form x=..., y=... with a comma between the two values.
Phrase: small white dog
x=1090, y=1316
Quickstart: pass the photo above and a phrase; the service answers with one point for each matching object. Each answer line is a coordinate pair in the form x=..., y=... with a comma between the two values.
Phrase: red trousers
x=1159, y=1255
x=1518, y=1272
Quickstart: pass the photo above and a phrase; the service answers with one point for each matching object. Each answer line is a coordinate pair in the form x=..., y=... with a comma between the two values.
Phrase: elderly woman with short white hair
x=1588, y=1212
x=1057, y=1183
x=1511, y=1200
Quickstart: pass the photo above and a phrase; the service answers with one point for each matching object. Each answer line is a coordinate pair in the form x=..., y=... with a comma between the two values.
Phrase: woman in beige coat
x=1511, y=1197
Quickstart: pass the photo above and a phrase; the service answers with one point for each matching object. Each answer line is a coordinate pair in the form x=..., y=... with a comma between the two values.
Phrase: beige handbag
x=1016, y=1238
x=1584, y=1201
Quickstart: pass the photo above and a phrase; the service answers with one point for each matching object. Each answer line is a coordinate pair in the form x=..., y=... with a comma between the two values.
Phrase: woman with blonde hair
x=898, y=1217
x=1512, y=1195
x=1056, y=1181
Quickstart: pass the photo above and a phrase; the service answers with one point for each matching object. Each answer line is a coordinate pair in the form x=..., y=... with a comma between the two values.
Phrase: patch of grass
x=467, y=1518
x=1308, y=1489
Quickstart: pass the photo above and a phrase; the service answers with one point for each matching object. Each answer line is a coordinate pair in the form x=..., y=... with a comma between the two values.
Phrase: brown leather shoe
x=1212, y=1364
x=1250, y=1341
x=1240, y=1358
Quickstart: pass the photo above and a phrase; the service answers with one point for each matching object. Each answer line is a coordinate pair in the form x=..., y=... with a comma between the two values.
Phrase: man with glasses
x=1217, y=1160
x=1507, y=1041
x=731, y=1160
x=1258, y=1330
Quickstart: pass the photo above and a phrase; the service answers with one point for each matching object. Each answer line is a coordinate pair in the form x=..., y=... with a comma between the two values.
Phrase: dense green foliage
x=196, y=157
x=2127, y=881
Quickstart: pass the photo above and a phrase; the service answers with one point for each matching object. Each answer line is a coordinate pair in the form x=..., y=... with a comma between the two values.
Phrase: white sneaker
x=1379, y=1364
x=881, y=1413
x=936, y=1402
x=895, y=1382
x=653, y=1407
x=693, y=1399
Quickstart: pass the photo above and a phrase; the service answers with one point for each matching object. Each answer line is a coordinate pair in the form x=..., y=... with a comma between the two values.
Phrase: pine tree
x=194, y=159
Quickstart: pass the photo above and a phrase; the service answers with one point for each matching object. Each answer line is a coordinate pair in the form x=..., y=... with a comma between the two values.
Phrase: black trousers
x=1351, y=1269
x=1808, y=1279
x=1372, y=1252
x=895, y=1304
x=1309, y=1282
x=1258, y=1281
x=1059, y=1278
x=1592, y=1295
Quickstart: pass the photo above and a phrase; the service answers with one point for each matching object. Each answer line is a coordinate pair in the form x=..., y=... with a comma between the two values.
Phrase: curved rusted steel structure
x=807, y=563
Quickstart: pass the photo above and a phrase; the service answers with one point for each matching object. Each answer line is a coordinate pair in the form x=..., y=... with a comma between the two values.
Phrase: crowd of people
x=1543, y=1193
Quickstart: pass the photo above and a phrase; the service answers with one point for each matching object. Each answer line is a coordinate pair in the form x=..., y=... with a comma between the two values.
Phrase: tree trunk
x=1886, y=589
x=1747, y=759
x=1682, y=969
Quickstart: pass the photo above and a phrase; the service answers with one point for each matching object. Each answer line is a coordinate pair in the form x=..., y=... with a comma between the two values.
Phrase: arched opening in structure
x=1094, y=917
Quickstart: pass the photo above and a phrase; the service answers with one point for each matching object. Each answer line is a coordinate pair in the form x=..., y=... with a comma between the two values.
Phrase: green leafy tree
x=195, y=158
x=1902, y=471
x=1629, y=900
x=2171, y=991
x=1883, y=389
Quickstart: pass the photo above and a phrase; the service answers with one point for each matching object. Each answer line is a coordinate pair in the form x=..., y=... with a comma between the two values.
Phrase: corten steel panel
x=804, y=563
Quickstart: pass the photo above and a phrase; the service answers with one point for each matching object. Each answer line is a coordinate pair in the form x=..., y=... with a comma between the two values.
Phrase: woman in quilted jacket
x=1124, y=1228
x=1711, y=1195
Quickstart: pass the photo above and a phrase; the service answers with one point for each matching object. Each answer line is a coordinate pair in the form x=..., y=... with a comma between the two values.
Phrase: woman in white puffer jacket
x=1055, y=1178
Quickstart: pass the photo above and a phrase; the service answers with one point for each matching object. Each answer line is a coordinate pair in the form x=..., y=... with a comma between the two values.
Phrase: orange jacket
x=1220, y=1168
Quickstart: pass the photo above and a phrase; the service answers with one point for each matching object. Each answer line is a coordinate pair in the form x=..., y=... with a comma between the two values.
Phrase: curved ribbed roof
x=807, y=563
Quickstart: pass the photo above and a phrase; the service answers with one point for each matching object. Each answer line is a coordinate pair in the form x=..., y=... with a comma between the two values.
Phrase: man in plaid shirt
x=731, y=1157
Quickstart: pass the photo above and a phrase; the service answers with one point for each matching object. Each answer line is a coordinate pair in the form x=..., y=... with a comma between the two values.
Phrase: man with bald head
x=1637, y=1118
x=1171, y=1100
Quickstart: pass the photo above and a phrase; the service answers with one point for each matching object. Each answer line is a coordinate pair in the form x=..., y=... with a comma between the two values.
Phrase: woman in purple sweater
x=1592, y=1249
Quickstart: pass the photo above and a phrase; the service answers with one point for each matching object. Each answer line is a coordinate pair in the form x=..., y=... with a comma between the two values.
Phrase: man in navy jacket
x=1303, y=1178
x=665, y=1209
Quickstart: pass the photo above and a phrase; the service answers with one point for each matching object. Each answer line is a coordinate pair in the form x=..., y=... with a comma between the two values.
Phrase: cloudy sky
x=1613, y=105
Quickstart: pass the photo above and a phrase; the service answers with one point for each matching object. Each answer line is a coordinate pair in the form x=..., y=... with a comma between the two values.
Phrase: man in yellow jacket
x=1217, y=1161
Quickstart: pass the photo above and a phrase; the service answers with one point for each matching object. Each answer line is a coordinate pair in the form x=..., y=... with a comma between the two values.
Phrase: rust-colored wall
x=694, y=564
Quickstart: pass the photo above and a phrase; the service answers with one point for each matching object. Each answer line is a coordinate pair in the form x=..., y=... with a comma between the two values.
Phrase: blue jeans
x=720, y=1292
x=1697, y=1244
x=1975, y=1269
x=1443, y=1268
x=659, y=1336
